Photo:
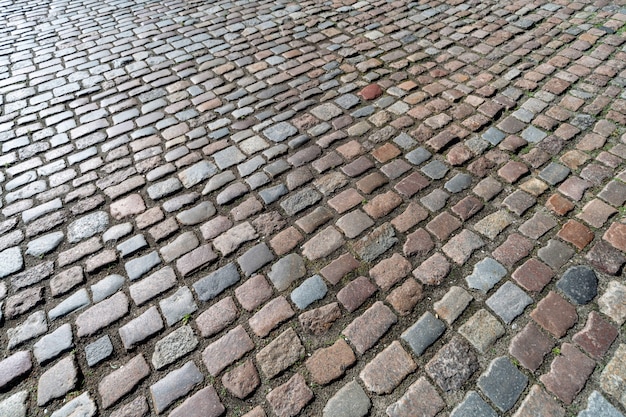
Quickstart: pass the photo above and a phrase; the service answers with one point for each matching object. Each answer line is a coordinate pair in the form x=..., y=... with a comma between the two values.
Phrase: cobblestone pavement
x=319, y=209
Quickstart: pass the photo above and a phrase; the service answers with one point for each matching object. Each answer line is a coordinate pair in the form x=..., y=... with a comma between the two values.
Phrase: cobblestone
x=241, y=381
x=285, y=134
x=473, y=404
x=102, y=314
x=568, y=373
x=502, y=383
x=174, y=385
x=14, y=367
x=120, y=382
x=280, y=354
x=53, y=344
x=387, y=370
x=509, y=301
x=57, y=380
x=613, y=376
x=482, y=330
x=597, y=405
x=611, y=302
x=349, y=401
x=579, y=284
x=555, y=314
x=226, y=350
x=452, y=365
x=288, y=399
x=379, y=319
x=205, y=402
x=423, y=333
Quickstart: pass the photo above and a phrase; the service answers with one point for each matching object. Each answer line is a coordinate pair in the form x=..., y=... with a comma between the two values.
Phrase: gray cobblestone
x=98, y=350
x=53, y=344
x=177, y=306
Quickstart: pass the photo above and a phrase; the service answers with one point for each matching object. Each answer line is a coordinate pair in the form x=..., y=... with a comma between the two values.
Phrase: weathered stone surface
x=216, y=282
x=227, y=349
x=174, y=385
x=10, y=261
x=242, y=380
x=204, y=403
x=423, y=333
x=387, y=370
x=502, y=383
x=568, y=373
x=311, y=290
x=229, y=241
x=328, y=364
x=323, y=244
x=34, y=325
x=102, y=314
x=319, y=320
x=433, y=270
x=255, y=258
x=482, y=330
x=452, y=365
x=473, y=405
x=452, y=305
x=613, y=377
x=141, y=328
x=349, y=401
x=282, y=352
x=177, y=306
x=135, y=408
x=138, y=267
x=81, y=406
x=13, y=367
x=217, y=317
x=98, y=350
x=128, y=206
x=57, y=381
x=421, y=398
x=390, y=271
x=53, y=344
x=365, y=330
x=15, y=405
x=74, y=302
x=153, y=285
x=376, y=243
x=288, y=399
x=44, y=244
x=597, y=405
x=120, y=382
x=23, y=302
x=579, y=284
x=253, y=292
x=87, y=226
x=530, y=346
x=173, y=346
x=613, y=302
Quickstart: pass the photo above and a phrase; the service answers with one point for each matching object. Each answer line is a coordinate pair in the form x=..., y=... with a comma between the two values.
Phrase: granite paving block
x=473, y=405
x=453, y=364
x=487, y=273
x=509, y=301
x=349, y=401
x=423, y=333
x=579, y=284
x=502, y=383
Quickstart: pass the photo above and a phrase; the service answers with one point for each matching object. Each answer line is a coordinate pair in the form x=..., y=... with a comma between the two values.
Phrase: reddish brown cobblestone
x=568, y=373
